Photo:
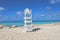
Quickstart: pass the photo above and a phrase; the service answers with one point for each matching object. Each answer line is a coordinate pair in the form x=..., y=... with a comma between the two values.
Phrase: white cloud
x=2, y=8
x=57, y=0
x=0, y=15
x=48, y=8
x=57, y=13
x=42, y=15
x=54, y=1
x=19, y=13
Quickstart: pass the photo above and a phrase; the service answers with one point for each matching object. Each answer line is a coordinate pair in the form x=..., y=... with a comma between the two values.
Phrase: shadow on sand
x=36, y=29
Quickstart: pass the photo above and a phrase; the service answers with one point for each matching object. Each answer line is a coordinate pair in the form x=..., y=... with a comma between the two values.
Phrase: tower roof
x=27, y=11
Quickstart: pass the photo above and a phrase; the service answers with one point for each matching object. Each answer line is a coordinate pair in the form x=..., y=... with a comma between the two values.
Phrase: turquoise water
x=21, y=23
x=10, y=23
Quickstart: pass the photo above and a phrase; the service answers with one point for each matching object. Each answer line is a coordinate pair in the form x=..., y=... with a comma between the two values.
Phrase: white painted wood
x=27, y=20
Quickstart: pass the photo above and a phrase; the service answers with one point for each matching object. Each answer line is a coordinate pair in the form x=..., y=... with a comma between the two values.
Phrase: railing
x=28, y=21
x=27, y=17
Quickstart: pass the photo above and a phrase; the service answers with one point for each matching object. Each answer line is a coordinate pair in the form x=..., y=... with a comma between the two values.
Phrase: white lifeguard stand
x=27, y=20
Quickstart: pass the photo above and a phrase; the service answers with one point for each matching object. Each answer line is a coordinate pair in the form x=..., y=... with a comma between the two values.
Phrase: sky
x=13, y=10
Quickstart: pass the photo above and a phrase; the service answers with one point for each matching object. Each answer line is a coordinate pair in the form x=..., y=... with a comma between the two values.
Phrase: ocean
x=21, y=23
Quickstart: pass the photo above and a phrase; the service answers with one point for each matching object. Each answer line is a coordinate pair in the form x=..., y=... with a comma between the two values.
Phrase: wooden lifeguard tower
x=27, y=20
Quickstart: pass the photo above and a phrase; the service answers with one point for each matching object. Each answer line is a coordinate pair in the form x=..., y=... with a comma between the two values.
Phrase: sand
x=46, y=32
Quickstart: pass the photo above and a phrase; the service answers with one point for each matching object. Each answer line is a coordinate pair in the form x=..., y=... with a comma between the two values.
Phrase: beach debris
x=1, y=26
x=13, y=26
x=4, y=27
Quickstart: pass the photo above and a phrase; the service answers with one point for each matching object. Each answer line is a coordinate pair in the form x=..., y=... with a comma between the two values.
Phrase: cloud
x=0, y=15
x=2, y=8
x=57, y=13
x=19, y=13
x=42, y=15
x=48, y=8
x=57, y=0
x=54, y=1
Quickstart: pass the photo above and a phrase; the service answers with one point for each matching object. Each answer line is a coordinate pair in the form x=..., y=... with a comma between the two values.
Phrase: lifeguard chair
x=27, y=20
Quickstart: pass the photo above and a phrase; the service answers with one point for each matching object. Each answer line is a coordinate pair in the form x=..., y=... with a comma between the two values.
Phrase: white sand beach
x=46, y=32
